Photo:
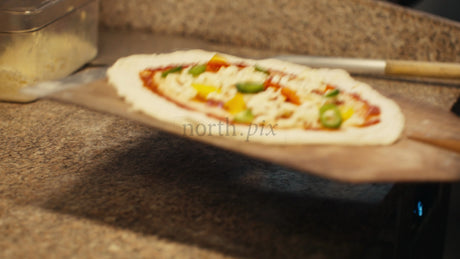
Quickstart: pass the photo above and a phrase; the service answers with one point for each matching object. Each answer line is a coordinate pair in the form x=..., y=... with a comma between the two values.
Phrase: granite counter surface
x=352, y=28
x=80, y=184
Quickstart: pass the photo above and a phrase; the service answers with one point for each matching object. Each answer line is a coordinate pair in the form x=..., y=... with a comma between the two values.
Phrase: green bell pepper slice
x=197, y=70
x=245, y=116
x=171, y=70
x=332, y=93
x=329, y=116
x=250, y=87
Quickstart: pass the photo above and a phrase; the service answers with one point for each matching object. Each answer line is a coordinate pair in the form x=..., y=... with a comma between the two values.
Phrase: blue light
x=419, y=208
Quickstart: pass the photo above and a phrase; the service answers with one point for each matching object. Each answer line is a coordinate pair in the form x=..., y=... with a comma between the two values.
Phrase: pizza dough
x=176, y=102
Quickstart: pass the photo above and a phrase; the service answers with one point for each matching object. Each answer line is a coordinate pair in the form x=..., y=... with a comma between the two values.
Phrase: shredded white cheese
x=269, y=106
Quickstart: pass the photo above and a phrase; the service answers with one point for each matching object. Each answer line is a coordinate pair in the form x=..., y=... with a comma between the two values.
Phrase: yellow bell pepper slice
x=236, y=104
x=346, y=112
x=218, y=58
x=204, y=90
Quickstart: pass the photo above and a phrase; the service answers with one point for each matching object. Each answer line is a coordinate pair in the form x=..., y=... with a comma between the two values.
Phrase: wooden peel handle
x=450, y=144
x=423, y=69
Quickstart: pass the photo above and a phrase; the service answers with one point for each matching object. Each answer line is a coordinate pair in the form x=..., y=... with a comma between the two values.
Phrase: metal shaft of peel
x=380, y=67
x=352, y=65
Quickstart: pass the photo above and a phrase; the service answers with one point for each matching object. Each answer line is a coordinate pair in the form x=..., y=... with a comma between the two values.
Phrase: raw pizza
x=270, y=101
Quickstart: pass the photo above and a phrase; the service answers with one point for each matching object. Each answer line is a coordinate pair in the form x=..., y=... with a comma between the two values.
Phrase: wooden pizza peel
x=409, y=159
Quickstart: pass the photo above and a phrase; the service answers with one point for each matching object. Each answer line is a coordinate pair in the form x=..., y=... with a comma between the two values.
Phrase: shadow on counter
x=192, y=193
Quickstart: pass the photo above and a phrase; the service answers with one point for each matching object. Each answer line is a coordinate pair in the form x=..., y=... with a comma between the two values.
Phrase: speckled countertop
x=80, y=184
x=354, y=28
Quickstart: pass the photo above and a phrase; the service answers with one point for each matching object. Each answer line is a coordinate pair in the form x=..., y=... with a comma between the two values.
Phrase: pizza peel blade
x=405, y=160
